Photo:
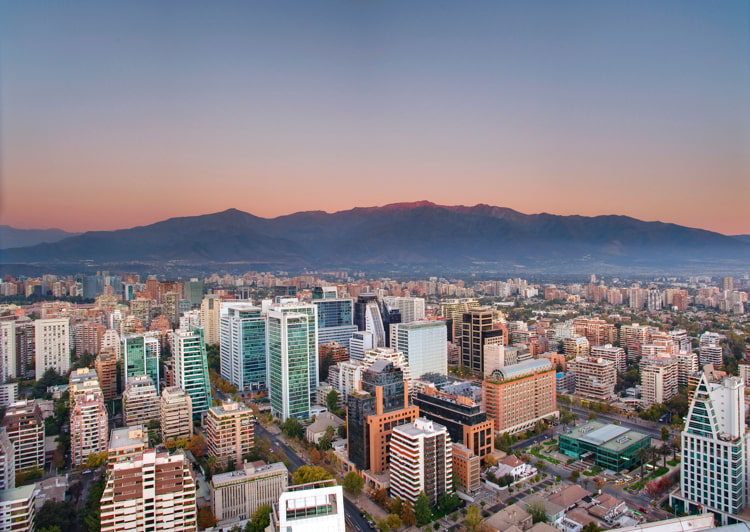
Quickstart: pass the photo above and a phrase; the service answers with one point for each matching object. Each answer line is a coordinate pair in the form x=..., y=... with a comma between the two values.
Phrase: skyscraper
x=243, y=346
x=210, y=316
x=477, y=330
x=7, y=350
x=411, y=308
x=141, y=354
x=176, y=414
x=52, y=345
x=89, y=430
x=292, y=358
x=335, y=320
x=229, y=432
x=424, y=344
x=714, y=467
x=191, y=369
x=25, y=428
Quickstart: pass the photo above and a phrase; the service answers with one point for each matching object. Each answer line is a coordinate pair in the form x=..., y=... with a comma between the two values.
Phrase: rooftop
x=15, y=494
x=127, y=437
x=613, y=437
x=523, y=369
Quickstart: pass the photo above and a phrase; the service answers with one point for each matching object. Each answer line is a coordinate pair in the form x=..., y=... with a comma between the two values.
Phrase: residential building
x=126, y=443
x=515, y=397
x=466, y=469
x=106, y=370
x=8, y=394
x=659, y=379
x=310, y=508
x=595, y=377
x=373, y=412
x=18, y=508
x=243, y=346
x=616, y=355
x=24, y=426
x=141, y=354
x=87, y=337
x=229, y=432
x=236, y=495
x=345, y=377
x=466, y=421
x=210, y=318
x=7, y=350
x=453, y=311
x=576, y=346
x=89, y=430
x=714, y=468
x=140, y=401
x=7, y=461
x=52, y=345
x=421, y=461
x=329, y=354
x=111, y=341
x=424, y=344
x=687, y=364
x=391, y=355
x=25, y=349
x=153, y=491
x=176, y=413
x=292, y=344
x=191, y=369
x=710, y=350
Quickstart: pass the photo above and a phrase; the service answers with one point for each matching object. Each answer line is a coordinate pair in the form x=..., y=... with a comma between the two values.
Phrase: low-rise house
x=569, y=496
x=318, y=428
x=576, y=519
x=510, y=519
x=607, y=508
x=555, y=512
x=511, y=465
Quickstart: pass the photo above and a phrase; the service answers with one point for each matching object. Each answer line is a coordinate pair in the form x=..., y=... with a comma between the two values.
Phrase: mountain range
x=402, y=235
x=12, y=237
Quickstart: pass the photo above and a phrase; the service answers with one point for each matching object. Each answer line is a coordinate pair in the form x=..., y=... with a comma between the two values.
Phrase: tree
x=95, y=460
x=206, y=518
x=260, y=520
x=591, y=527
x=307, y=473
x=293, y=428
x=537, y=512
x=380, y=497
x=473, y=518
x=664, y=434
x=197, y=446
x=407, y=515
x=422, y=509
x=56, y=515
x=325, y=441
x=332, y=400
x=574, y=476
x=393, y=521
x=92, y=512
x=353, y=483
x=448, y=503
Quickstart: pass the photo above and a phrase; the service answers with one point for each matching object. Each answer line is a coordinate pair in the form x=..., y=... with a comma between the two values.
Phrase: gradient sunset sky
x=121, y=114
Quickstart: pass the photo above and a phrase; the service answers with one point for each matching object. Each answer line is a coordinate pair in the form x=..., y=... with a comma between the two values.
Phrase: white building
x=236, y=495
x=346, y=377
x=17, y=508
x=411, y=308
x=659, y=377
x=8, y=394
x=52, y=345
x=7, y=350
x=424, y=344
x=421, y=458
x=710, y=351
x=310, y=508
x=7, y=462
x=140, y=401
x=714, y=467
x=389, y=354
x=361, y=342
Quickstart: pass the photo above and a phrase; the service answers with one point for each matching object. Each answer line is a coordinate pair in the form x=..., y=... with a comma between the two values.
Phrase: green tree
x=56, y=515
x=407, y=515
x=260, y=520
x=91, y=515
x=95, y=460
x=422, y=509
x=473, y=518
x=307, y=473
x=293, y=428
x=591, y=527
x=325, y=441
x=353, y=483
x=537, y=512
x=448, y=503
x=332, y=401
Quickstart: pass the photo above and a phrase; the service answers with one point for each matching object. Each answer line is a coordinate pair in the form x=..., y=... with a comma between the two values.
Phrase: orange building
x=517, y=396
x=466, y=468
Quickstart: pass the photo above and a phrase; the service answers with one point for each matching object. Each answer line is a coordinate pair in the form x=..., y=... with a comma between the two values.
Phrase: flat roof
x=16, y=494
x=612, y=437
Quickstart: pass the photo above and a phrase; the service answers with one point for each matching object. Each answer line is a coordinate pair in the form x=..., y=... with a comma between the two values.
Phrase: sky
x=115, y=114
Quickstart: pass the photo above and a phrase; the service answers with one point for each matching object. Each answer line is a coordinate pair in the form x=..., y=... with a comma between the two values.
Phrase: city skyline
x=117, y=116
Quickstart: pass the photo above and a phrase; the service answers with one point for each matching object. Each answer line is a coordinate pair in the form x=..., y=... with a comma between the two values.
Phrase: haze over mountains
x=12, y=237
x=403, y=235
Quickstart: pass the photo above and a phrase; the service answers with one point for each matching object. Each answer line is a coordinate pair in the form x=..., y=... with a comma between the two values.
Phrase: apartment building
x=140, y=402
x=24, y=426
x=595, y=377
x=229, y=432
x=659, y=379
x=176, y=413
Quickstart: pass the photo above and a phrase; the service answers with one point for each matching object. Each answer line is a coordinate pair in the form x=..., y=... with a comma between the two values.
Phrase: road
x=353, y=516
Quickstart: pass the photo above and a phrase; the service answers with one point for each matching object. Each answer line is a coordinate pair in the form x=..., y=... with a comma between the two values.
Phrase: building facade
x=235, y=496
x=424, y=344
x=52, y=345
x=24, y=426
x=229, y=432
x=243, y=346
x=191, y=369
x=140, y=402
x=175, y=413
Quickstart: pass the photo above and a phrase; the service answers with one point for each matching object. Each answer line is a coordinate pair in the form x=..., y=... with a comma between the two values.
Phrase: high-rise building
x=346, y=377
x=421, y=461
x=466, y=469
x=411, y=308
x=7, y=462
x=230, y=430
x=235, y=496
x=477, y=330
x=18, y=508
x=659, y=377
x=89, y=430
x=292, y=344
x=87, y=337
x=310, y=508
x=25, y=428
x=595, y=377
x=140, y=401
x=464, y=418
x=191, y=369
x=210, y=318
x=52, y=345
x=111, y=341
x=577, y=346
x=7, y=350
x=373, y=412
x=517, y=396
x=714, y=467
x=360, y=342
x=126, y=443
x=710, y=350
x=25, y=351
x=176, y=413
x=141, y=357
x=335, y=320
x=243, y=346
x=424, y=344
x=687, y=364
x=153, y=491
x=453, y=311
x=193, y=291
x=616, y=355
x=106, y=370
